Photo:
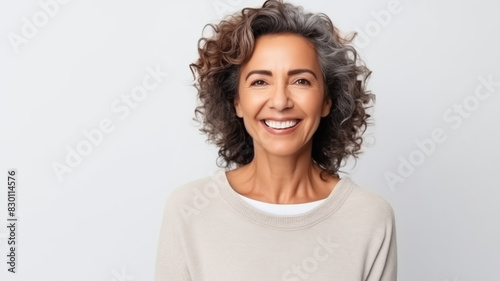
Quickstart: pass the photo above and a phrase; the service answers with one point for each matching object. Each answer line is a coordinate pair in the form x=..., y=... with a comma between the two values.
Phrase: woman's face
x=281, y=94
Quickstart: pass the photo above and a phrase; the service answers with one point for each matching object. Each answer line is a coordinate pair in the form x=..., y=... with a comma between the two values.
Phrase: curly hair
x=231, y=44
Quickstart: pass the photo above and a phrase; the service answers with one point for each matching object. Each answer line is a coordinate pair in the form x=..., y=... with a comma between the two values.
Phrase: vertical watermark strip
x=12, y=220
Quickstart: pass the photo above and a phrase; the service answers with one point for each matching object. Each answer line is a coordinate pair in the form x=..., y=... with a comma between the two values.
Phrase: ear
x=327, y=105
x=237, y=107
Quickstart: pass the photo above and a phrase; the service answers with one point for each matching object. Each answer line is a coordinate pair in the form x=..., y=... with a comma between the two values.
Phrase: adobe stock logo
x=30, y=27
x=201, y=200
x=381, y=19
x=225, y=6
x=454, y=116
x=122, y=107
x=310, y=264
x=122, y=276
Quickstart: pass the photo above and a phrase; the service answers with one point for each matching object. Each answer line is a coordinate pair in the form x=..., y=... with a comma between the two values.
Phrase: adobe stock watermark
x=310, y=264
x=122, y=107
x=121, y=276
x=31, y=26
x=201, y=200
x=223, y=7
x=380, y=20
x=454, y=116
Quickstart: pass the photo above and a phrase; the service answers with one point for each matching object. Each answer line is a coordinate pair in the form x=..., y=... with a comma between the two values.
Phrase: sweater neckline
x=326, y=209
x=282, y=209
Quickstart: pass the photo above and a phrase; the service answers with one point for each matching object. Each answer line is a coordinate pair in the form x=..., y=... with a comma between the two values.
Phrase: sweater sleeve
x=171, y=264
x=384, y=267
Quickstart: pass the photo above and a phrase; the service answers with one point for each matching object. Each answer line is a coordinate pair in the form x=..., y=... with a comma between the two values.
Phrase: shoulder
x=185, y=193
x=368, y=205
x=191, y=197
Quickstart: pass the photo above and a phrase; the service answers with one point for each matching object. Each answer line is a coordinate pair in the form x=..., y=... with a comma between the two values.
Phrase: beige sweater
x=209, y=233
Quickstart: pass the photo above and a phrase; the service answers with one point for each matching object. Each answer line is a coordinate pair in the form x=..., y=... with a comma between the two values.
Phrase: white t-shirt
x=282, y=209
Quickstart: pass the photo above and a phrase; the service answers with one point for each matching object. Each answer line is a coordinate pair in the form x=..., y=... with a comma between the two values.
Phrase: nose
x=280, y=98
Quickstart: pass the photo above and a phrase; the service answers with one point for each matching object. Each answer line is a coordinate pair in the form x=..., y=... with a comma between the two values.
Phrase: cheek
x=312, y=105
x=249, y=105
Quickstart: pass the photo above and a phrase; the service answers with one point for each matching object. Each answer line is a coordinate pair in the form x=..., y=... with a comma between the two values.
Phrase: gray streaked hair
x=231, y=44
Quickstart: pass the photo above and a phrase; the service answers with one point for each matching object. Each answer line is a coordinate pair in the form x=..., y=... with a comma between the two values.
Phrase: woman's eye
x=258, y=83
x=302, y=82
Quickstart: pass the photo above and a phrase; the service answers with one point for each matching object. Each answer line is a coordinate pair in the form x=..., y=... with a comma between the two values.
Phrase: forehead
x=283, y=51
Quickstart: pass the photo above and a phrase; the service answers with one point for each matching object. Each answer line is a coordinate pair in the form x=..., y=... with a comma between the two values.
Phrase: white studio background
x=69, y=68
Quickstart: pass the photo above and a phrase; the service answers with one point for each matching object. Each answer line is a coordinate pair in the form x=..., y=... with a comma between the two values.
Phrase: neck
x=282, y=179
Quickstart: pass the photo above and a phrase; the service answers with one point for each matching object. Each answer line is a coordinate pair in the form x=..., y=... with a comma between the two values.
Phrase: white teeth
x=280, y=125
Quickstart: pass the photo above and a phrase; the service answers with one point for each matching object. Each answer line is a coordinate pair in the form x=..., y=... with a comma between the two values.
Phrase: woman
x=281, y=97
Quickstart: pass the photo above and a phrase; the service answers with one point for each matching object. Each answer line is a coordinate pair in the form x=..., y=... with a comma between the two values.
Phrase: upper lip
x=281, y=119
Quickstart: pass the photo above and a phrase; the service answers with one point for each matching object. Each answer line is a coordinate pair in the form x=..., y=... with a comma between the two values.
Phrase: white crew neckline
x=282, y=209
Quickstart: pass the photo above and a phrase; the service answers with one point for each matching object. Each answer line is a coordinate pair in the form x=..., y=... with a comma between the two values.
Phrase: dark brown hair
x=231, y=45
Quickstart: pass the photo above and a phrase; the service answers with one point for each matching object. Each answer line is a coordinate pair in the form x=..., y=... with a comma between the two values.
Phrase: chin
x=283, y=150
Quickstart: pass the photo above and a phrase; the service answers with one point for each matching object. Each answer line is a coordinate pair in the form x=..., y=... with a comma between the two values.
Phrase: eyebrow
x=290, y=73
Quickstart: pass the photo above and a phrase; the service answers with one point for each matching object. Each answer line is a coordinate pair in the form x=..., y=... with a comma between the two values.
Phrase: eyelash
x=305, y=80
x=254, y=83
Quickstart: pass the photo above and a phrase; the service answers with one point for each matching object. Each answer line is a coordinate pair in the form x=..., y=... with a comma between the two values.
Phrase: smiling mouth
x=281, y=125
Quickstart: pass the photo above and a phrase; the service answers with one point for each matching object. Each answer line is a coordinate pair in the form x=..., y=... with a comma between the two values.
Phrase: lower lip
x=280, y=131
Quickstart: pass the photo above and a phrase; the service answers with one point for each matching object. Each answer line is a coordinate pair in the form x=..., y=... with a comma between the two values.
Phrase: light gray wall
x=76, y=67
